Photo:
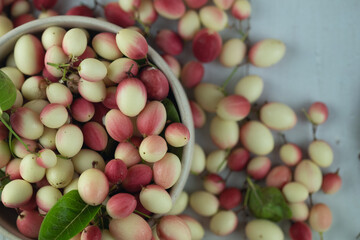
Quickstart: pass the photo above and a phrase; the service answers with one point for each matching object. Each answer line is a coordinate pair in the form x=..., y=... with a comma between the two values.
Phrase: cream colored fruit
x=278, y=116
x=295, y=192
x=232, y=52
x=309, y=174
x=204, y=203
x=267, y=52
x=250, y=87
x=223, y=223
x=300, y=211
x=215, y=161
x=198, y=162
x=321, y=153
x=5, y=25
x=207, y=95
x=180, y=204
x=261, y=229
x=257, y=138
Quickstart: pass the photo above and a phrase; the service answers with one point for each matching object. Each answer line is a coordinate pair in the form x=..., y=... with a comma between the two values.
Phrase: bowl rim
x=8, y=40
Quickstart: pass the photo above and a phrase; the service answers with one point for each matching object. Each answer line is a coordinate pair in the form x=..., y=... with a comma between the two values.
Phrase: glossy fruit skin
x=207, y=45
x=300, y=231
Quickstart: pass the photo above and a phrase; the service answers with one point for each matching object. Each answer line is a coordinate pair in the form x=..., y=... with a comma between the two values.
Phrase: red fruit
x=156, y=83
x=29, y=222
x=4, y=132
x=114, y=14
x=230, y=198
x=331, y=183
x=237, y=159
x=100, y=112
x=192, y=74
x=195, y=3
x=82, y=110
x=121, y=205
x=207, y=45
x=95, y=136
x=44, y=4
x=91, y=233
x=300, y=231
x=81, y=10
x=116, y=171
x=278, y=176
x=25, y=18
x=137, y=177
x=169, y=42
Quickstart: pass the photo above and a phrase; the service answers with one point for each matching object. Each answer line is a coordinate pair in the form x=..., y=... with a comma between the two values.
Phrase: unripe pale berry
x=93, y=186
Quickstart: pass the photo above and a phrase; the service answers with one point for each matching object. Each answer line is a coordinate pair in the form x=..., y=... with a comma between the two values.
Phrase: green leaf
x=171, y=111
x=7, y=92
x=4, y=179
x=69, y=216
x=267, y=203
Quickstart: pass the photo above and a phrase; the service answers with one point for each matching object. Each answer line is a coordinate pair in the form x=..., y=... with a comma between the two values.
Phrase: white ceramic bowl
x=7, y=43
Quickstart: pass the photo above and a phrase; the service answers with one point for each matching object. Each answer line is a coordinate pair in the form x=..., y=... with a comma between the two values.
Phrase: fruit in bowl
x=97, y=130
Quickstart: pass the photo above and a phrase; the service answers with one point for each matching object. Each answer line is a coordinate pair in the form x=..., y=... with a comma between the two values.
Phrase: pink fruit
x=318, y=113
x=128, y=153
x=241, y=9
x=115, y=171
x=237, y=159
x=177, y=134
x=214, y=183
x=191, y=74
x=152, y=119
x=169, y=42
x=258, y=167
x=170, y=9
x=156, y=83
x=207, y=45
x=331, y=183
x=173, y=227
x=82, y=110
x=195, y=4
x=233, y=107
x=81, y=10
x=44, y=4
x=278, y=176
x=198, y=114
x=4, y=132
x=121, y=205
x=114, y=14
x=167, y=170
x=54, y=115
x=320, y=218
x=230, y=198
x=147, y=12
x=300, y=231
x=100, y=113
x=118, y=126
x=173, y=63
x=91, y=232
x=132, y=44
x=95, y=136
x=29, y=222
x=13, y=169
x=138, y=176
x=110, y=99
x=224, y=4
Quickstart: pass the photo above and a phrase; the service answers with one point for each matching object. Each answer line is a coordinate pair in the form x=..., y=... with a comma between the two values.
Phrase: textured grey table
x=321, y=64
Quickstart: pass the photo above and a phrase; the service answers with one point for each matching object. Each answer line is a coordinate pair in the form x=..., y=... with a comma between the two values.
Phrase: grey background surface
x=321, y=64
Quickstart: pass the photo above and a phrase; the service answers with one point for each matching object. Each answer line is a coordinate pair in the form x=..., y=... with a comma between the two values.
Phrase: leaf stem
x=253, y=188
x=14, y=133
x=142, y=214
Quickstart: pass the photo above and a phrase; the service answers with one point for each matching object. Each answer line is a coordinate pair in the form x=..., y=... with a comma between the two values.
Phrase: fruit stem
x=311, y=200
x=321, y=235
x=283, y=137
x=228, y=79
x=145, y=27
x=62, y=157
x=228, y=175
x=14, y=133
x=150, y=64
x=224, y=160
x=142, y=214
x=337, y=171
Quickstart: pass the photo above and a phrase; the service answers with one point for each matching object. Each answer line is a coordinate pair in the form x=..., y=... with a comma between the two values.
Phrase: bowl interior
x=7, y=43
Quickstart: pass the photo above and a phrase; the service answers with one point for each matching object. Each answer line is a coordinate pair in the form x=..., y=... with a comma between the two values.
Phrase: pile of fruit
x=90, y=102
